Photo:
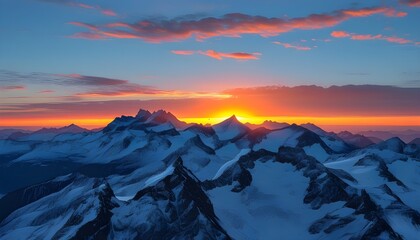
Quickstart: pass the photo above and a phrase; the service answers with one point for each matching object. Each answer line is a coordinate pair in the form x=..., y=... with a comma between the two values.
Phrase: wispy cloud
x=229, y=25
x=15, y=87
x=77, y=79
x=411, y=3
x=236, y=55
x=47, y=91
x=241, y=56
x=107, y=12
x=289, y=45
x=101, y=86
x=183, y=52
x=362, y=37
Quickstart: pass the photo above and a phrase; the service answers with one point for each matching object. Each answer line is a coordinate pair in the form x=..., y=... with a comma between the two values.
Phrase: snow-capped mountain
x=151, y=176
x=406, y=135
x=357, y=140
x=230, y=129
x=46, y=134
x=6, y=133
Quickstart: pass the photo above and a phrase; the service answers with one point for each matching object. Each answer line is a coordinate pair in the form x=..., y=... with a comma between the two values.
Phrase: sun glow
x=242, y=117
x=345, y=121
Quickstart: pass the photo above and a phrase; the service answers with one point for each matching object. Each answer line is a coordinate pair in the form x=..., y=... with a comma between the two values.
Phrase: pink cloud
x=107, y=12
x=397, y=40
x=229, y=25
x=16, y=87
x=85, y=25
x=353, y=36
x=340, y=34
x=243, y=56
x=183, y=52
x=411, y=3
x=237, y=55
x=297, y=47
x=365, y=37
x=46, y=91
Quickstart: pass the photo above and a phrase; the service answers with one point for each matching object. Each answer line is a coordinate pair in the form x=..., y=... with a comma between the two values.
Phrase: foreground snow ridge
x=151, y=176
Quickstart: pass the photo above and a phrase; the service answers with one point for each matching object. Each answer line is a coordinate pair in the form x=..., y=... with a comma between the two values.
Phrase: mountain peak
x=162, y=116
x=230, y=128
x=143, y=114
x=233, y=118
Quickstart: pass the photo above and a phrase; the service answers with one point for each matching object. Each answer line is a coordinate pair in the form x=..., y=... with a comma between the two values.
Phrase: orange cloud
x=392, y=39
x=390, y=12
x=183, y=52
x=220, y=55
x=397, y=40
x=235, y=55
x=297, y=47
x=229, y=25
x=340, y=34
x=365, y=37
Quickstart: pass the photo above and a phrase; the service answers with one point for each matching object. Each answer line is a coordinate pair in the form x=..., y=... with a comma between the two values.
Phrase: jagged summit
x=230, y=128
x=162, y=116
x=143, y=115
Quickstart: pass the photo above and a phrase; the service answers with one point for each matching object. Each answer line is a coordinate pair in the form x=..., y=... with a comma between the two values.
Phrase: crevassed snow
x=231, y=162
x=283, y=137
x=157, y=177
x=344, y=163
x=271, y=207
x=334, y=144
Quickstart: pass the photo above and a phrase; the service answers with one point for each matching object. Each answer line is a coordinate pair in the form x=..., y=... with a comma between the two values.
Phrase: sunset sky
x=328, y=62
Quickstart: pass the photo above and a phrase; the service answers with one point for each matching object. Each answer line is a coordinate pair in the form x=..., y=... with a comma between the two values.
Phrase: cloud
x=183, y=52
x=305, y=101
x=16, y=87
x=349, y=100
x=297, y=47
x=411, y=3
x=77, y=79
x=229, y=25
x=236, y=55
x=362, y=37
x=242, y=56
x=107, y=12
x=46, y=91
x=107, y=86
x=85, y=86
x=398, y=40
x=340, y=34
x=365, y=37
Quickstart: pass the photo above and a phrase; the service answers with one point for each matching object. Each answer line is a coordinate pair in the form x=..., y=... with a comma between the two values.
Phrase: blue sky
x=185, y=48
x=36, y=39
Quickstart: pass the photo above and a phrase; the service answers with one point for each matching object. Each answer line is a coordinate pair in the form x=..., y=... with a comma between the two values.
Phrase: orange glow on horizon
x=241, y=116
x=345, y=121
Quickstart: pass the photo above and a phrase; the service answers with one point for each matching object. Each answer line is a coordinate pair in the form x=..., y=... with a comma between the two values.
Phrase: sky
x=329, y=62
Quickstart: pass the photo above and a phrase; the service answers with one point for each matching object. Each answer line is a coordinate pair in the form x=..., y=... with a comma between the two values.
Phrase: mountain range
x=152, y=176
